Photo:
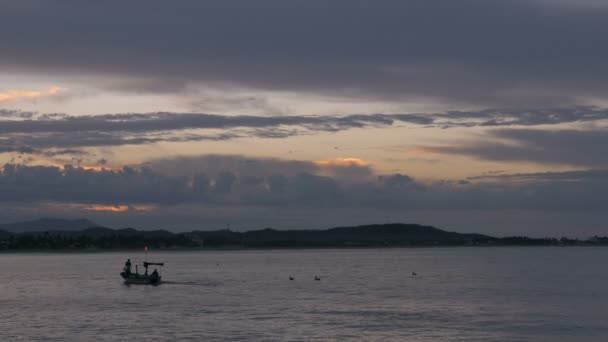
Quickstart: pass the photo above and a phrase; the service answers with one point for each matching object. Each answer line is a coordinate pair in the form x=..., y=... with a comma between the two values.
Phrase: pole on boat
x=146, y=253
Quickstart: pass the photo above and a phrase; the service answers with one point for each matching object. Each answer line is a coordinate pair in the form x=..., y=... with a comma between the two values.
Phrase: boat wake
x=193, y=283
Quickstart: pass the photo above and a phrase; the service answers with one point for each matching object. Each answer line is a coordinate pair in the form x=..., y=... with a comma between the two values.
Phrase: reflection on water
x=457, y=294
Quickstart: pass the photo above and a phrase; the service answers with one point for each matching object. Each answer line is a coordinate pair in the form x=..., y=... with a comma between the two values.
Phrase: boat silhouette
x=146, y=278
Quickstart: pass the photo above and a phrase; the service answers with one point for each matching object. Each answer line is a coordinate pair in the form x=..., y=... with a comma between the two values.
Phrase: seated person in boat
x=154, y=274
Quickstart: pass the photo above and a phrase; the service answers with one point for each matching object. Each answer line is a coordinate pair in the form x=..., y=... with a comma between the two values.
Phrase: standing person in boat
x=128, y=266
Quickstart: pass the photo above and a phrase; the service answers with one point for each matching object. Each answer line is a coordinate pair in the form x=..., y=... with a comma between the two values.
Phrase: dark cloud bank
x=237, y=185
x=510, y=52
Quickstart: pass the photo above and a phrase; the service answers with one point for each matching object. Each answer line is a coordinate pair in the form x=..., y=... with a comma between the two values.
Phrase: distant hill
x=48, y=224
x=394, y=234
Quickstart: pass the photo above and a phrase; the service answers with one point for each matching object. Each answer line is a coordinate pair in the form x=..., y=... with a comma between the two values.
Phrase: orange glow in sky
x=119, y=208
x=14, y=94
x=344, y=162
x=110, y=208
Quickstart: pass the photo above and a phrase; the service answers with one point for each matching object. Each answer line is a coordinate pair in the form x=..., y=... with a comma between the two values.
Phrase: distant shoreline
x=240, y=249
x=394, y=235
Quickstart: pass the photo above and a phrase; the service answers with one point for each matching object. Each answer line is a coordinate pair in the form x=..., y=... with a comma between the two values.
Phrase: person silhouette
x=128, y=266
x=154, y=277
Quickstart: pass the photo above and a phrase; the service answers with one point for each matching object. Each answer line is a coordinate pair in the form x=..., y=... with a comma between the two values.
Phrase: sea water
x=457, y=294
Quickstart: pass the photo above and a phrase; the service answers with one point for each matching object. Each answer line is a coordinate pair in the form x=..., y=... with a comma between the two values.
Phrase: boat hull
x=140, y=279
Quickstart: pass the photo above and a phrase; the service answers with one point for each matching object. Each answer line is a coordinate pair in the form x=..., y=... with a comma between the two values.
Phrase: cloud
x=569, y=191
x=575, y=4
x=111, y=208
x=101, y=208
x=25, y=131
x=556, y=147
x=227, y=100
x=492, y=53
x=16, y=114
x=277, y=183
x=300, y=194
x=242, y=166
x=396, y=181
x=343, y=162
x=17, y=95
x=543, y=177
x=346, y=169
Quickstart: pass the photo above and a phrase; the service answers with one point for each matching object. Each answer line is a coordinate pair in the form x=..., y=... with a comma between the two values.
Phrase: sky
x=486, y=116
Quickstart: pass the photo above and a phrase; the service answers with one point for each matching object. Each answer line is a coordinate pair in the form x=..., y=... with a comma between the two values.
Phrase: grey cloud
x=223, y=182
x=71, y=141
x=74, y=184
x=542, y=177
x=161, y=183
x=227, y=101
x=581, y=190
x=35, y=132
x=293, y=194
x=575, y=4
x=16, y=114
x=53, y=153
x=242, y=166
x=396, y=181
x=520, y=117
x=315, y=190
x=277, y=183
x=154, y=122
x=268, y=187
x=561, y=147
x=485, y=52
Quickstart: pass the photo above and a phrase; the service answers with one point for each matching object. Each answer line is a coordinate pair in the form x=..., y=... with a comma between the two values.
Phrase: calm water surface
x=459, y=294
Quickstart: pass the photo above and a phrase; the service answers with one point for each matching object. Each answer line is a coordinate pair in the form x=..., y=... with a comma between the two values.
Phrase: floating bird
x=414, y=273
x=291, y=278
x=317, y=278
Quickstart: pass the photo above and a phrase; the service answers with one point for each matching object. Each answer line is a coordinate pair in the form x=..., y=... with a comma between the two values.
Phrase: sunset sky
x=481, y=116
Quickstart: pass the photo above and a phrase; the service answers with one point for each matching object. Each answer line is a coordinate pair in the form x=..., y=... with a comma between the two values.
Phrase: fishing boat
x=146, y=278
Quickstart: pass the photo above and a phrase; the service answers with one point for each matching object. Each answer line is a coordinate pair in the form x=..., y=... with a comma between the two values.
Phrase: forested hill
x=370, y=235
x=381, y=235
